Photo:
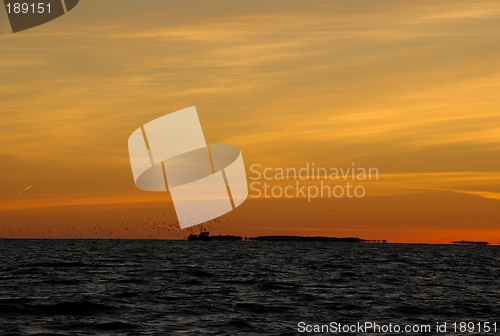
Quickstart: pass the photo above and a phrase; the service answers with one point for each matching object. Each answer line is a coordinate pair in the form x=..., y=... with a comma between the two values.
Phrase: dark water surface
x=124, y=287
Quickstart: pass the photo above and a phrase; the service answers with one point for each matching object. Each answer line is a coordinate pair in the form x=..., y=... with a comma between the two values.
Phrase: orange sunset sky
x=409, y=87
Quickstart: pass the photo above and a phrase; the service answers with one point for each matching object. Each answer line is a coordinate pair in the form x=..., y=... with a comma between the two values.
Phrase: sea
x=160, y=287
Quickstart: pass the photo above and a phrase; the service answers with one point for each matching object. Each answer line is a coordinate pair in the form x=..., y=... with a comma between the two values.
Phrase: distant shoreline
x=261, y=238
x=317, y=239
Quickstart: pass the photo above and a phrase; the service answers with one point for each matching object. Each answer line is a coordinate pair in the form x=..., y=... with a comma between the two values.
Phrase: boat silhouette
x=204, y=235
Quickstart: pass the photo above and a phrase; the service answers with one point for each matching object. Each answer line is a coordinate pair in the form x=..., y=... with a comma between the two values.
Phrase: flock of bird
x=156, y=227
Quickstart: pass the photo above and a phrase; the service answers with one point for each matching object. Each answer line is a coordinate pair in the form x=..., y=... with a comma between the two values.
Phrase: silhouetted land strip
x=227, y=237
x=205, y=236
x=469, y=242
x=316, y=239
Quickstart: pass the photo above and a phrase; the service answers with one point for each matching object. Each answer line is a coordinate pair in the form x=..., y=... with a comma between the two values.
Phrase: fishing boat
x=204, y=235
